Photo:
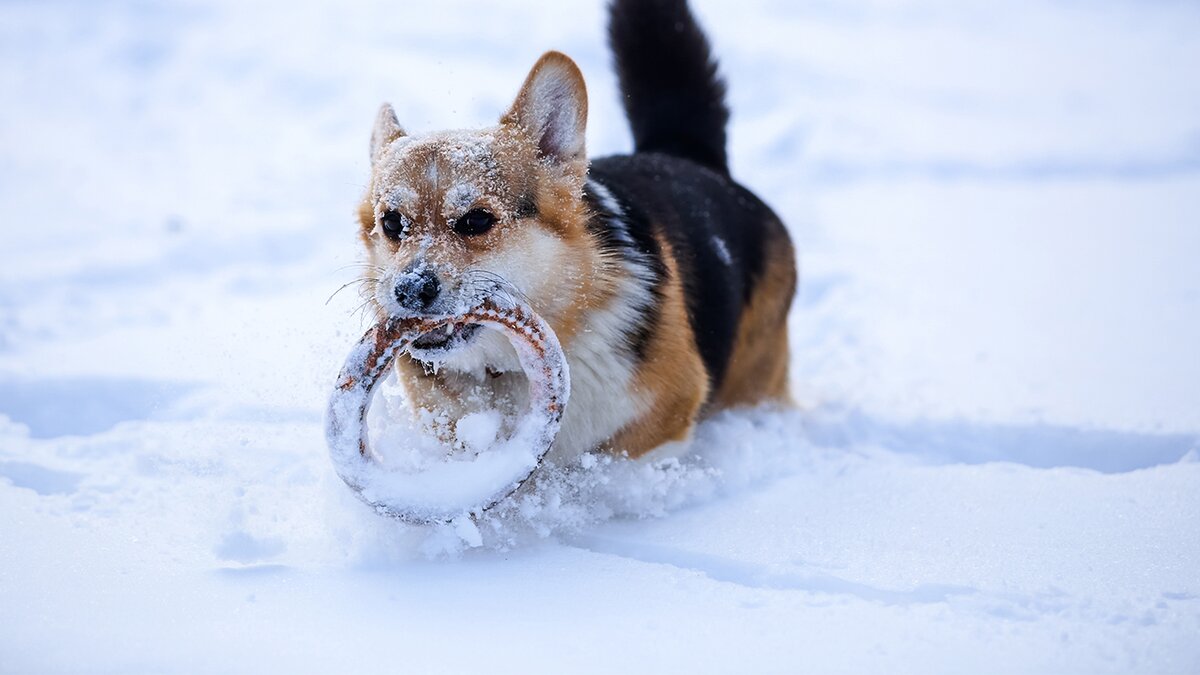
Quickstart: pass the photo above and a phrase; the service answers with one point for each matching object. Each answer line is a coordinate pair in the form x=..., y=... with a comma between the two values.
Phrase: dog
x=667, y=283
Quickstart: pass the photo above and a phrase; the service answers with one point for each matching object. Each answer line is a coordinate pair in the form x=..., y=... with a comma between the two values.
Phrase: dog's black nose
x=416, y=290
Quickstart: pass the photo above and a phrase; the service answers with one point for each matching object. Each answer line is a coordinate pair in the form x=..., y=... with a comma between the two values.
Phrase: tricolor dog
x=667, y=283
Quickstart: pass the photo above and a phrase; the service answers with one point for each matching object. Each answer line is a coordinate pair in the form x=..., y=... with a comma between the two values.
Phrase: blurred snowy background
x=997, y=462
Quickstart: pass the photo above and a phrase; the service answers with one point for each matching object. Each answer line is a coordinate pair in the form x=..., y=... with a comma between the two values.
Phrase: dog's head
x=451, y=216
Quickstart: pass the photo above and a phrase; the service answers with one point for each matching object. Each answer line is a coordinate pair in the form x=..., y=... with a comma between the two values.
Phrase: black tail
x=673, y=96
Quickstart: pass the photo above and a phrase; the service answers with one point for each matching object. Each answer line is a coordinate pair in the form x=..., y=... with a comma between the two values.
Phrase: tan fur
x=758, y=367
x=672, y=379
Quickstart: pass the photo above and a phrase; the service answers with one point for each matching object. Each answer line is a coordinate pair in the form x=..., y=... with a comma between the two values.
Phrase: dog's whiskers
x=363, y=265
x=481, y=278
x=360, y=310
x=370, y=281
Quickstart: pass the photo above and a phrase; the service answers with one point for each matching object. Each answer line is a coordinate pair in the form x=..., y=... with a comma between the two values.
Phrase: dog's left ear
x=552, y=108
x=387, y=129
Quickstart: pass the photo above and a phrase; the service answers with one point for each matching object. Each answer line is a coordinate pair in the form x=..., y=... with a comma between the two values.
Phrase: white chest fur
x=603, y=399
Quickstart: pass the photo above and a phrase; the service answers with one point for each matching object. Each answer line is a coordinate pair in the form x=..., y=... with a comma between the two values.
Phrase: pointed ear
x=552, y=108
x=387, y=129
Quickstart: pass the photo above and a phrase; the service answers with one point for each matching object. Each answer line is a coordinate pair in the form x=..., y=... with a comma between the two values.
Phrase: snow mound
x=727, y=454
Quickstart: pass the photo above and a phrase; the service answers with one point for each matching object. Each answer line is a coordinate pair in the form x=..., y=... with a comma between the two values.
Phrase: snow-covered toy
x=456, y=485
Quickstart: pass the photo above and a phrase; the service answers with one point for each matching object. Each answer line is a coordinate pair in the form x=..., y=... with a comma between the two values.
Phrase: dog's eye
x=394, y=224
x=475, y=221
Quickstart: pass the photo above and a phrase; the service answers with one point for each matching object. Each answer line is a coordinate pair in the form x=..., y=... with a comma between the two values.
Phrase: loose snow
x=994, y=461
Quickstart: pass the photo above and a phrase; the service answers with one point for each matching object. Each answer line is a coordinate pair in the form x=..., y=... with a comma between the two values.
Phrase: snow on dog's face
x=452, y=216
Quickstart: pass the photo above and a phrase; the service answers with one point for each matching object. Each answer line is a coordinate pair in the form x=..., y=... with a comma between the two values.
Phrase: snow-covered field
x=996, y=466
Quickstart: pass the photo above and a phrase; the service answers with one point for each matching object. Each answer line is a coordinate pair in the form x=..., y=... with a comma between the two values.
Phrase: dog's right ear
x=552, y=109
x=387, y=129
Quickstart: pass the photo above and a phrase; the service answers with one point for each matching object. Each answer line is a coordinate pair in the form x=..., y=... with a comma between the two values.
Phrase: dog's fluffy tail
x=674, y=98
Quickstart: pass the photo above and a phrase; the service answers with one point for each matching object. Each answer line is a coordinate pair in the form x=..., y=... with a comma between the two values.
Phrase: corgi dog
x=667, y=283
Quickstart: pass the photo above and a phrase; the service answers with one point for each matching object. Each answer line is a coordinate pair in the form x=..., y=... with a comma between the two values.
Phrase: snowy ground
x=997, y=463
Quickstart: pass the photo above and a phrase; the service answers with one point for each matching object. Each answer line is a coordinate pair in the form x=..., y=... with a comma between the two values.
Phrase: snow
x=722, y=250
x=994, y=463
x=477, y=431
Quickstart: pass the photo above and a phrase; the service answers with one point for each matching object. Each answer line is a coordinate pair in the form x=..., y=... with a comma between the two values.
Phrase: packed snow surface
x=993, y=466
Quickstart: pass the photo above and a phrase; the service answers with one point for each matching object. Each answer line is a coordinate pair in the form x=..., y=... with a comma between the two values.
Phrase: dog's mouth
x=444, y=340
